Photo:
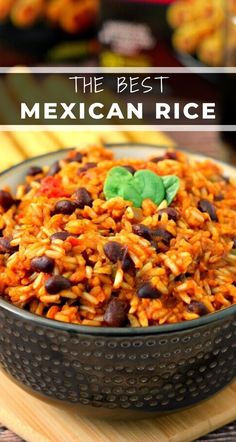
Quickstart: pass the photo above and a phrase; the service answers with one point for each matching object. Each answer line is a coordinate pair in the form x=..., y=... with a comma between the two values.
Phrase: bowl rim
x=113, y=331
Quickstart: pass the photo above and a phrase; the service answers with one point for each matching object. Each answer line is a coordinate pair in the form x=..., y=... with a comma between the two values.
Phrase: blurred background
x=117, y=33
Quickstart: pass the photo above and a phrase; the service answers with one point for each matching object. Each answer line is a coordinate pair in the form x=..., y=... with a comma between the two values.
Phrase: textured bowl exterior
x=158, y=369
x=154, y=372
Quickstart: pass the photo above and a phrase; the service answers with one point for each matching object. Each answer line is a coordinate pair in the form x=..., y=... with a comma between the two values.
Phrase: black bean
x=87, y=259
x=6, y=247
x=146, y=290
x=219, y=197
x=42, y=264
x=157, y=159
x=116, y=313
x=17, y=202
x=234, y=243
x=162, y=235
x=131, y=169
x=66, y=207
x=78, y=157
x=171, y=156
x=86, y=167
x=87, y=287
x=142, y=230
x=113, y=251
x=207, y=207
x=126, y=263
x=171, y=213
x=167, y=156
x=54, y=168
x=198, y=307
x=27, y=188
x=90, y=165
x=83, y=198
x=60, y=235
x=114, y=293
x=34, y=170
x=56, y=284
x=155, y=246
x=153, y=235
x=6, y=200
x=182, y=277
x=226, y=179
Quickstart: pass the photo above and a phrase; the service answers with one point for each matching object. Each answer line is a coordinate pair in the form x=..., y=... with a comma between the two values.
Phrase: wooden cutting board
x=37, y=421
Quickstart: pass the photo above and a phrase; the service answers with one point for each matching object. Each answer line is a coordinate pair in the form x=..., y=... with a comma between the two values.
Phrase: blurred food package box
x=130, y=31
x=51, y=30
x=137, y=32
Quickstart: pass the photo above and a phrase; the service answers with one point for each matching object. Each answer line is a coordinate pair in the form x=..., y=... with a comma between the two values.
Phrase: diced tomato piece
x=73, y=241
x=51, y=187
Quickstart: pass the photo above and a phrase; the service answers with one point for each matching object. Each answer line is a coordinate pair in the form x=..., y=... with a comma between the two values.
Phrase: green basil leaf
x=130, y=193
x=119, y=172
x=149, y=185
x=115, y=180
x=144, y=184
x=111, y=189
x=171, y=185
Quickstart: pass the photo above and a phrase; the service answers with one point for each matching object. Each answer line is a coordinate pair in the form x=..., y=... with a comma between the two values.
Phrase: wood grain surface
x=225, y=434
x=38, y=421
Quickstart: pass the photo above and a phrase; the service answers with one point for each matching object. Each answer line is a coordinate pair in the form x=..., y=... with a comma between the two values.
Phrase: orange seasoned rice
x=189, y=268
